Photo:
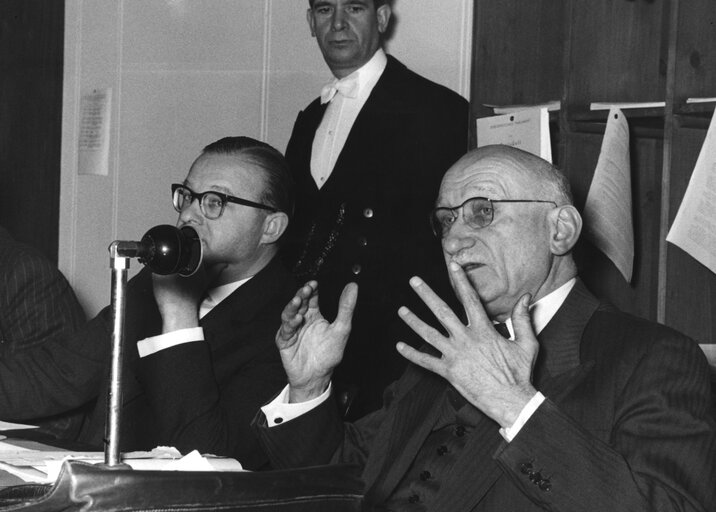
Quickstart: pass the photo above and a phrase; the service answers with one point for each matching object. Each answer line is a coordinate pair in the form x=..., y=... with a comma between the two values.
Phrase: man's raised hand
x=309, y=345
x=492, y=373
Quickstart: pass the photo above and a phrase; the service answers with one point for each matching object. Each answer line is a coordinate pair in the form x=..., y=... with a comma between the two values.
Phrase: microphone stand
x=119, y=263
x=165, y=250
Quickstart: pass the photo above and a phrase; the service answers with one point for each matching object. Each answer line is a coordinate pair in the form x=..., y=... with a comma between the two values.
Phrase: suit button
x=425, y=475
x=545, y=485
x=362, y=241
x=536, y=477
x=414, y=498
x=460, y=431
x=442, y=450
x=525, y=468
x=356, y=269
x=368, y=213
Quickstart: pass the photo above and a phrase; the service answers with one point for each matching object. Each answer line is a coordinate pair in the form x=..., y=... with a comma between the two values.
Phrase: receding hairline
x=527, y=165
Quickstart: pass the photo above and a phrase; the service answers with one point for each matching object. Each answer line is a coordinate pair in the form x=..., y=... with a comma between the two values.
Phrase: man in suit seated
x=582, y=408
x=368, y=157
x=200, y=355
x=37, y=305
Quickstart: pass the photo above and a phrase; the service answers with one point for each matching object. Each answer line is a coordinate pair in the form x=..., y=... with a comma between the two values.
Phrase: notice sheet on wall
x=694, y=228
x=93, y=142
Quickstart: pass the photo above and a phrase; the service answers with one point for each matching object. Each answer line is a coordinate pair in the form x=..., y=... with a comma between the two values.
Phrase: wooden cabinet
x=579, y=52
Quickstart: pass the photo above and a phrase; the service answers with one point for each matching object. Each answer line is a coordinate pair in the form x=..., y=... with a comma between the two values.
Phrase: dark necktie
x=503, y=330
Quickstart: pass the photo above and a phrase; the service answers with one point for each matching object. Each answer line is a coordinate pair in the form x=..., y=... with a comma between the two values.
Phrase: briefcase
x=81, y=486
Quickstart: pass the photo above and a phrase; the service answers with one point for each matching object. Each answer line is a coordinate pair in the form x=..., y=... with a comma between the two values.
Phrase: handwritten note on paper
x=93, y=143
x=694, y=228
x=607, y=211
x=526, y=129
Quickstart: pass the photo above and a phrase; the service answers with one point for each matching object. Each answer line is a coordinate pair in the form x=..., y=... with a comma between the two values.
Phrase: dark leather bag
x=81, y=486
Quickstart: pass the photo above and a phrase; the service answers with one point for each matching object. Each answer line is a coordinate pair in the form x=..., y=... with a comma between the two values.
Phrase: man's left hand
x=491, y=372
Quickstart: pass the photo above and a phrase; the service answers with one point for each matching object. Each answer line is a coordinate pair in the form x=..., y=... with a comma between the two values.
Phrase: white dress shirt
x=339, y=117
x=280, y=411
x=153, y=344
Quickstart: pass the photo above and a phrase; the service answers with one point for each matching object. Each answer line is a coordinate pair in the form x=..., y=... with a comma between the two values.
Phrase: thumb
x=346, y=305
x=521, y=321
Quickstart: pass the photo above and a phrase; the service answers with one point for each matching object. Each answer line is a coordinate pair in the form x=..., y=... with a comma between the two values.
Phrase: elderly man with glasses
x=576, y=406
x=200, y=351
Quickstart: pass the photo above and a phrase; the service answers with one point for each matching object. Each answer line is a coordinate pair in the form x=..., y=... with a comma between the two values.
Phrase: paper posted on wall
x=608, y=209
x=694, y=228
x=527, y=129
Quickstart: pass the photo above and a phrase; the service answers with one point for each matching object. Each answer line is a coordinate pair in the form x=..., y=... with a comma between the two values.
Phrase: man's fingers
x=346, y=306
x=427, y=361
x=468, y=296
x=423, y=330
x=442, y=311
x=288, y=330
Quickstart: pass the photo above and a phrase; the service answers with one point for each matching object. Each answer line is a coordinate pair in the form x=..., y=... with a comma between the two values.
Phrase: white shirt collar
x=369, y=73
x=215, y=295
x=544, y=309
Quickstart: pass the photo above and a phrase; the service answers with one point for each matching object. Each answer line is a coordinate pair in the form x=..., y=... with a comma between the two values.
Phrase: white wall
x=187, y=72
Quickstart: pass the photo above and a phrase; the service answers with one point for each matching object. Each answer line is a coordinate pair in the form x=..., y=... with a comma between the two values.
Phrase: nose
x=191, y=213
x=458, y=238
x=338, y=21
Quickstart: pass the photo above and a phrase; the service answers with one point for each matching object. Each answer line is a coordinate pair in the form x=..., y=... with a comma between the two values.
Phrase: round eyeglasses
x=477, y=212
x=211, y=203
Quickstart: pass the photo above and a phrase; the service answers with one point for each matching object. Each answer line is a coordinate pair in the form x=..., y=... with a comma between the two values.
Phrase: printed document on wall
x=93, y=143
x=694, y=228
x=527, y=129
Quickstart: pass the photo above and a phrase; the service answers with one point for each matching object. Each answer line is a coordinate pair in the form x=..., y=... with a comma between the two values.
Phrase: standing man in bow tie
x=367, y=157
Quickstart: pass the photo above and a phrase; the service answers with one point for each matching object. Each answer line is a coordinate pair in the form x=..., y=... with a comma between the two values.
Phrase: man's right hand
x=310, y=346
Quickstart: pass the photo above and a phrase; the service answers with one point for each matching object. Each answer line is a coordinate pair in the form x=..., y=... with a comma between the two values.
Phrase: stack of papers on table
x=44, y=466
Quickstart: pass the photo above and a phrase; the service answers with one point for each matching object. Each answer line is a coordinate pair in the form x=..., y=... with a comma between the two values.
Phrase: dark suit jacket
x=37, y=307
x=193, y=396
x=369, y=221
x=627, y=426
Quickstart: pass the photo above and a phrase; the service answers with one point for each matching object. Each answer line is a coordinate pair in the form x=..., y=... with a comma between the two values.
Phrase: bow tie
x=348, y=87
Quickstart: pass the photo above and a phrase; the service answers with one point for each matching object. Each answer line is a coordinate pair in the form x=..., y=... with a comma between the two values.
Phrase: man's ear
x=566, y=225
x=383, y=14
x=274, y=226
x=311, y=21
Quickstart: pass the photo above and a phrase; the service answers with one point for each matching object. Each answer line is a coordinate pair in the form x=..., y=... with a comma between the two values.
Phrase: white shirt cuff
x=526, y=413
x=279, y=410
x=149, y=346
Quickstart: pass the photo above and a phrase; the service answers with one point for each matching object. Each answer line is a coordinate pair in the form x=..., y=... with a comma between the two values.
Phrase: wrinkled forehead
x=491, y=177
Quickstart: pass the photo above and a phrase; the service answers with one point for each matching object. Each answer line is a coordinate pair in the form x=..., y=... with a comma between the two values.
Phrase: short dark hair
x=376, y=3
x=279, y=190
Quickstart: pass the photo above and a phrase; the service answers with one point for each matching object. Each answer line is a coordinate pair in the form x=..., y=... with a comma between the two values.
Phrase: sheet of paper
x=607, y=211
x=603, y=105
x=6, y=425
x=93, y=143
x=700, y=100
x=694, y=227
x=710, y=352
x=44, y=466
x=526, y=129
x=551, y=106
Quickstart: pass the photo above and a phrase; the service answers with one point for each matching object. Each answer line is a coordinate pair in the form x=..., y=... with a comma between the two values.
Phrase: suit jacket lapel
x=243, y=304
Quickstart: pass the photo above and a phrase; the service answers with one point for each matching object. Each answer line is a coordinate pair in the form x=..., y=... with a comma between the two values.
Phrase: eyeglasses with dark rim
x=211, y=203
x=477, y=213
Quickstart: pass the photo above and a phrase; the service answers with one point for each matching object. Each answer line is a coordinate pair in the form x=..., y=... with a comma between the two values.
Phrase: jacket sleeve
x=659, y=455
